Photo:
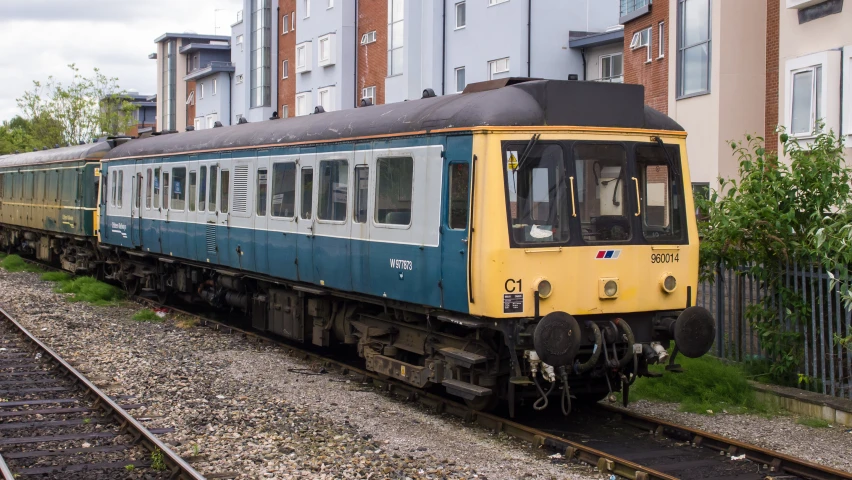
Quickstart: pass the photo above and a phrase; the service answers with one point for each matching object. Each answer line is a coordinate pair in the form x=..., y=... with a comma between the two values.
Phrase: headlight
x=544, y=289
x=610, y=288
x=668, y=282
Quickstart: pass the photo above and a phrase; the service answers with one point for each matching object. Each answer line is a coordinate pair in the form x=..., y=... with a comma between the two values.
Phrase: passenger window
x=156, y=188
x=225, y=186
x=284, y=190
x=165, y=190
x=459, y=195
x=148, y=189
x=362, y=185
x=192, y=190
x=261, y=192
x=394, y=177
x=538, y=194
x=307, y=192
x=602, y=192
x=178, y=188
x=662, y=203
x=202, y=189
x=334, y=189
x=120, y=194
x=211, y=198
x=138, y=199
x=114, y=183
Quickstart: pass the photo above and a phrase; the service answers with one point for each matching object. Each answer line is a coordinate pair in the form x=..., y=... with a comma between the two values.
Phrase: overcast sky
x=40, y=38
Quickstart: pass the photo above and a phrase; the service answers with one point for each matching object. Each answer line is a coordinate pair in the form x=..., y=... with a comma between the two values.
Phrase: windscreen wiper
x=528, y=150
x=668, y=157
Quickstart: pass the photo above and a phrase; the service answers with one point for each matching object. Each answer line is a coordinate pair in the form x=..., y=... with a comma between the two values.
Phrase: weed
x=129, y=467
x=14, y=263
x=706, y=384
x=87, y=289
x=55, y=276
x=813, y=422
x=186, y=322
x=158, y=460
x=87, y=420
x=147, y=315
x=195, y=449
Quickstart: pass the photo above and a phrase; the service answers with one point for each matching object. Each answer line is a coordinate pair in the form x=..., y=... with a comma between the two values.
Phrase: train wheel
x=482, y=404
x=133, y=287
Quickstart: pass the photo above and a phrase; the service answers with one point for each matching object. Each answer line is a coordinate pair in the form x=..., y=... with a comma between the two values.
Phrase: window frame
x=330, y=42
x=171, y=198
x=330, y=92
x=225, y=196
x=831, y=92
x=368, y=38
x=662, y=40
x=602, y=77
x=270, y=188
x=635, y=45
x=356, y=198
x=464, y=15
x=285, y=69
x=372, y=95
x=674, y=172
x=493, y=65
x=265, y=203
x=304, y=98
x=491, y=3
x=285, y=24
x=681, y=48
x=200, y=90
x=306, y=49
x=393, y=69
x=456, y=78
x=450, y=199
x=215, y=85
x=318, y=182
x=192, y=191
x=377, y=187
x=307, y=7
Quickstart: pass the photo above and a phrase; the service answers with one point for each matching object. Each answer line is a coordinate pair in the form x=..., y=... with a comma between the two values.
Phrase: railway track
x=55, y=423
x=647, y=448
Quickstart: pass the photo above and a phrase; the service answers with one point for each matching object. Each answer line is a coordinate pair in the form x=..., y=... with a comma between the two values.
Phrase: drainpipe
x=529, y=38
x=583, y=52
x=230, y=98
x=444, y=47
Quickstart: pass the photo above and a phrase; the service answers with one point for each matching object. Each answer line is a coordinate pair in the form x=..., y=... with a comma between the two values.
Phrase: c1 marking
x=513, y=285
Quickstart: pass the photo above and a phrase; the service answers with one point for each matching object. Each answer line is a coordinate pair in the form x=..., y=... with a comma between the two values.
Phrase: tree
x=20, y=134
x=84, y=109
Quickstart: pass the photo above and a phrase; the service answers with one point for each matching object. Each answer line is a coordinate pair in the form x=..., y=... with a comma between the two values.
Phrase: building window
x=307, y=8
x=198, y=123
x=330, y=4
x=240, y=42
x=498, y=67
x=813, y=93
x=662, y=36
x=285, y=24
x=693, y=41
x=394, y=181
x=285, y=69
x=460, y=80
x=612, y=68
x=642, y=39
x=629, y=6
x=285, y=111
x=496, y=2
x=368, y=37
x=395, y=37
x=200, y=91
x=369, y=93
x=261, y=67
x=326, y=98
x=211, y=120
x=169, y=85
x=301, y=104
x=326, y=50
x=215, y=85
x=239, y=79
x=461, y=20
x=303, y=57
x=292, y=20
x=805, y=104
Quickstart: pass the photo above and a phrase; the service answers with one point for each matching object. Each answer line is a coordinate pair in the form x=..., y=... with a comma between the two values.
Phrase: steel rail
x=178, y=467
x=778, y=462
x=4, y=469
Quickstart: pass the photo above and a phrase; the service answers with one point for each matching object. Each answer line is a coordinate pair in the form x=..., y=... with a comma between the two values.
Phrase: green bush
x=147, y=315
x=87, y=289
x=55, y=276
x=14, y=263
x=706, y=384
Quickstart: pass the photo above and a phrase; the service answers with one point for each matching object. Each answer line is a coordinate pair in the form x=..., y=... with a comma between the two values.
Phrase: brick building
x=372, y=50
x=286, y=50
x=645, y=51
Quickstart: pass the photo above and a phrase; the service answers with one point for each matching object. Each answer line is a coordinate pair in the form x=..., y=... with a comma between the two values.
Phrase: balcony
x=632, y=9
x=210, y=69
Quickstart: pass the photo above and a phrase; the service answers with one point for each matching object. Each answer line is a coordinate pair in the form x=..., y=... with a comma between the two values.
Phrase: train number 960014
x=665, y=257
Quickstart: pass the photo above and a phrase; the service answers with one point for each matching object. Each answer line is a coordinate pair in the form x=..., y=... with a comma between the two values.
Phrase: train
x=526, y=242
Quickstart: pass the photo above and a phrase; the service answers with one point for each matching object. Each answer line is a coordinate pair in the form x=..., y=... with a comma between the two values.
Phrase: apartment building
x=176, y=95
x=145, y=115
x=254, y=87
x=702, y=62
x=809, y=68
x=210, y=68
x=286, y=54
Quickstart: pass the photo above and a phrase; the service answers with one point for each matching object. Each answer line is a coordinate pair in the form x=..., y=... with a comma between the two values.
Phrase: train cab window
x=459, y=195
x=211, y=197
x=179, y=188
x=538, y=194
x=601, y=189
x=284, y=190
x=202, y=189
x=225, y=188
x=307, y=192
x=148, y=184
x=333, y=190
x=261, y=192
x=362, y=186
x=394, y=185
x=192, y=190
x=156, y=188
x=120, y=189
x=659, y=191
x=165, y=190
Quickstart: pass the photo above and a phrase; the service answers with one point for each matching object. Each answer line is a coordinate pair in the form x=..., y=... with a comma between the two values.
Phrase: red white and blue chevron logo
x=608, y=254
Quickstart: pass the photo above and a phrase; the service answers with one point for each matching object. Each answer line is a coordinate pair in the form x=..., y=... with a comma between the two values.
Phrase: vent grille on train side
x=241, y=183
x=211, y=238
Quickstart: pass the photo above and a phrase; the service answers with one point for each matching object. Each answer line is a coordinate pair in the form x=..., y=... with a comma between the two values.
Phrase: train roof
x=506, y=102
x=76, y=153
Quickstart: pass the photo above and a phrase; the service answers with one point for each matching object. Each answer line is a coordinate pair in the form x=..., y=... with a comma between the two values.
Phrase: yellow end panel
x=503, y=279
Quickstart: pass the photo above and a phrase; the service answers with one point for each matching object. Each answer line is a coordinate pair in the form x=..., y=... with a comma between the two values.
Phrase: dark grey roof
x=506, y=102
x=204, y=46
x=211, y=69
x=92, y=151
x=597, y=39
x=193, y=36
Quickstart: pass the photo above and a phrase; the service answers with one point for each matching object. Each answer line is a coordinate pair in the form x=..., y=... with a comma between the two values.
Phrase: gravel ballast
x=251, y=410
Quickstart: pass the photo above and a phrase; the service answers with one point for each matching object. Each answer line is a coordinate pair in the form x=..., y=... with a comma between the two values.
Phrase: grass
x=14, y=263
x=186, y=322
x=55, y=276
x=87, y=289
x=706, y=385
x=147, y=315
x=813, y=422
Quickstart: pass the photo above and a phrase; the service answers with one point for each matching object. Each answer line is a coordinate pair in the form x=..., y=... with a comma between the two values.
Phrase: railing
x=628, y=6
x=219, y=64
x=826, y=366
x=617, y=79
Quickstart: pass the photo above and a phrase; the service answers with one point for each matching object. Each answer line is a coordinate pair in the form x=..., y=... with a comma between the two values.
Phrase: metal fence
x=826, y=366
